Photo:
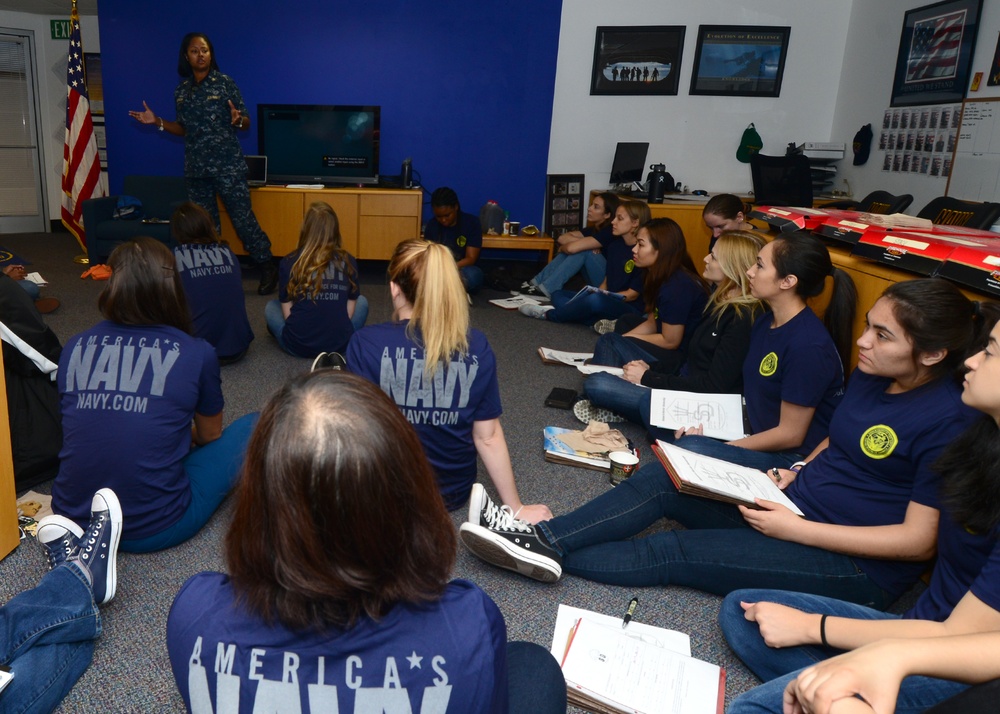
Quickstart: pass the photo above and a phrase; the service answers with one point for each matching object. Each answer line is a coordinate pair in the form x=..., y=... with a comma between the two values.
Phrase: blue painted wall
x=465, y=87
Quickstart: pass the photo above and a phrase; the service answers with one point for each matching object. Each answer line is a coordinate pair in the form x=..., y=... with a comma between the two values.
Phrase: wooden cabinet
x=372, y=220
x=9, y=533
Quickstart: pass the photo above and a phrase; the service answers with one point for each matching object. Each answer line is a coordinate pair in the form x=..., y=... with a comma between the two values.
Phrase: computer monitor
x=256, y=170
x=630, y=161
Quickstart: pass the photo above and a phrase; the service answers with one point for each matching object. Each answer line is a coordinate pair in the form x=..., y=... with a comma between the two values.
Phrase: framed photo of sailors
x=637, y=60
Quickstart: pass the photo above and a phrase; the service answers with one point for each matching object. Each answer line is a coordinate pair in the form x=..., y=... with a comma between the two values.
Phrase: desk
x=9, y=534
x=540, y=242
x=372, y=220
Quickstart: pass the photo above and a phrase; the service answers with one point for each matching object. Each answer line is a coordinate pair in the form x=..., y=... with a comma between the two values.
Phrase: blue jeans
x=777, y=667
x=29, y=287
x=564, y=266
x=212, y=471
x=472, y=279
x=618, y=395
x=718, y=553
x=275, y=319
x=47, y=639
x=616, y=350
x=534, y=680
x=760, y=460
x=588, y=309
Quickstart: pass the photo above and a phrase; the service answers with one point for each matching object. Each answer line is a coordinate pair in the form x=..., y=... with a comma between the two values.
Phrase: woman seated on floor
x=579, y=251
x=213, y=283
x=716, y=352
x=338, y=595
x=778, y=633
x=142, y=408
x=442, y=374
x=868, y=493
x=674, y=297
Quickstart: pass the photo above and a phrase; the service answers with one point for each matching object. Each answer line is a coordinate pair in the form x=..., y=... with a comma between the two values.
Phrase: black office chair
x=875, y=202
x=948, y=211
x=781, y=180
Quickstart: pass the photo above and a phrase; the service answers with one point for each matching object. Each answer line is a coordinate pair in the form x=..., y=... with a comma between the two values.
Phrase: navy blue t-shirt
x=680, y=301
x=622, y=273
x=795, y=363
x=466, y=233
x=444, y=656
x=129, y=394
x=879, y=460
x=442, y=408
x=213, y=284
x=319, y=324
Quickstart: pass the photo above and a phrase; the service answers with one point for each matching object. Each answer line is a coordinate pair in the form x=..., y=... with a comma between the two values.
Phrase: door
x=22, y=205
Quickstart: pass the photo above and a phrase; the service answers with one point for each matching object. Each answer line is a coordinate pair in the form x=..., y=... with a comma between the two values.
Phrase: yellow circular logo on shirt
x=460, y=241
x=656, y=313
x=769, y=365
x=629, y=266
x=878, y=441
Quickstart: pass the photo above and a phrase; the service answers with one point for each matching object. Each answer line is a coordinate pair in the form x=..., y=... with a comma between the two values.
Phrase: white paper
x=567, y=616
x=595, y=368
x=611, y=666
x=725, y=478
x=573, y=359
x=512, y=303
x=36, y=278
x=720, y=414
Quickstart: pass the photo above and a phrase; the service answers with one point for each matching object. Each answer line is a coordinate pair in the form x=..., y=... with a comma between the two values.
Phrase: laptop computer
x=256, y=170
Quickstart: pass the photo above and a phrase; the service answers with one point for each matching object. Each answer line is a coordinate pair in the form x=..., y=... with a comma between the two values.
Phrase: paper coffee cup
x=623, y=465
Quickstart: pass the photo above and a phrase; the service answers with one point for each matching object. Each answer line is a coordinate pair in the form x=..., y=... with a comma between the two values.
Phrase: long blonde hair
x=319, y=246
x=735, y=252
x=428, y=278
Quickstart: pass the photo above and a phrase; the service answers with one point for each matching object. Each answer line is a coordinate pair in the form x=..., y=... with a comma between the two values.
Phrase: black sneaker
x=97, y=552
x=483, y=511
x=268, y=278
x=514, y=546
x=59, y=535
x=329, y=360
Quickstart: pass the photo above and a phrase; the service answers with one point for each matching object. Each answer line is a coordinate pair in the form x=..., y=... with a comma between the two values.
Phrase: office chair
x=875, y=202
x=781, y=180
x=948, y=211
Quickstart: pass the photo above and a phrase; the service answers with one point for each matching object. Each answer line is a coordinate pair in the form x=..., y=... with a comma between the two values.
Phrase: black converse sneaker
x=59, y=535
x=515, y=546
x=97, y=552
x=329, y=360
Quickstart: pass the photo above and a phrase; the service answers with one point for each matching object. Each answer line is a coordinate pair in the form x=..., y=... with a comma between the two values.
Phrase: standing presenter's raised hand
x=235, y=118
x=144, y=117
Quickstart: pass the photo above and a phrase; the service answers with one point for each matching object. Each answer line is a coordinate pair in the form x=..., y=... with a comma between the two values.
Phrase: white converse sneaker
x=535, y=311
x=59, y=535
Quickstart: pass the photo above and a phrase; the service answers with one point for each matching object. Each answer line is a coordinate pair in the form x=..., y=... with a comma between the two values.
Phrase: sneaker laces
x=501, y=518
x=64, y=548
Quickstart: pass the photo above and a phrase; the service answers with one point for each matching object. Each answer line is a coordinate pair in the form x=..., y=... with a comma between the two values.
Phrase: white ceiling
x=55, y=8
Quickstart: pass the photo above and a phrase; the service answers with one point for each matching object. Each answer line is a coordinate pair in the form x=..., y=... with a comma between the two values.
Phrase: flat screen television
x=630, y=160
x=313, y=143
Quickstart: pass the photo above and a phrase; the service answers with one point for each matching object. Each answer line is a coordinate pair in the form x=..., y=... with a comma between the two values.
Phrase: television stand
x=372, y=220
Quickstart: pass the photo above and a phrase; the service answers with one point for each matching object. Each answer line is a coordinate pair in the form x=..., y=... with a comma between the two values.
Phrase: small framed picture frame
x=739, y=60
x=637, y=60
x=935, y=53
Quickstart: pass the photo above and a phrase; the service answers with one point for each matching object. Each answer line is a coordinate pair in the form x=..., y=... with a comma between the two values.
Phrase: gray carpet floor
x=130, y=671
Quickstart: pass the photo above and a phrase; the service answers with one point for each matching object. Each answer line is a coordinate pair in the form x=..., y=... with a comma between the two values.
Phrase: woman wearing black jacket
x=715, y=354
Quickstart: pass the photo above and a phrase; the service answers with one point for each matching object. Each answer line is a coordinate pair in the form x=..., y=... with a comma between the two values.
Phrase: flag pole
x=82, y=178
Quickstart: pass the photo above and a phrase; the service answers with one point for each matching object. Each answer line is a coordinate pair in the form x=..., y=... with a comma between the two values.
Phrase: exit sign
x=60, y=29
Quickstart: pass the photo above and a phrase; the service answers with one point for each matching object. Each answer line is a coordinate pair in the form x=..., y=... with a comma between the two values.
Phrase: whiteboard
x=975, y=166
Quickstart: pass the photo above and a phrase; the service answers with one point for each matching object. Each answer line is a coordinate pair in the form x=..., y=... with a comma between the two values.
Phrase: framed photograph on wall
x=564, y=198
x=935, y=53
x=994, y=78
x=739, y=61
x=637, y=60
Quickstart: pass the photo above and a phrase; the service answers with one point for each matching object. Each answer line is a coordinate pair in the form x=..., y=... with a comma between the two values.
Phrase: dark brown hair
x=183, y=66
x=337, y=513
x=611, y=202
x=667, y=239
x=145, y=287
x=190, y=223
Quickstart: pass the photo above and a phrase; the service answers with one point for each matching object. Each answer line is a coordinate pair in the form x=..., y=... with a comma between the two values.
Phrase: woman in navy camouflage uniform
x=210, y=110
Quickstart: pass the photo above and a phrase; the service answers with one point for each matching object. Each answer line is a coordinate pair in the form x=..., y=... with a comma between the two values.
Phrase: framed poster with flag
x=935, y=53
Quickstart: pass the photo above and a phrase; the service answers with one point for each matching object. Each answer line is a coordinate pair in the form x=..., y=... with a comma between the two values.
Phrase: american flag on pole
x=935, y=46
x=82, y=177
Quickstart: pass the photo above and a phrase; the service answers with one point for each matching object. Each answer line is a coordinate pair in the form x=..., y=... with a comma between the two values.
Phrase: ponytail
x=426, y=274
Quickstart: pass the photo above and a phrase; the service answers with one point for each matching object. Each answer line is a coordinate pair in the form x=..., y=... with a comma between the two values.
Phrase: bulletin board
x=975, y=173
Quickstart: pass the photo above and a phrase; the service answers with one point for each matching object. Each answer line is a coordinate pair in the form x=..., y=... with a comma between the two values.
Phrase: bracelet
x=798, y=466
x=822, y=631
x=159, y=121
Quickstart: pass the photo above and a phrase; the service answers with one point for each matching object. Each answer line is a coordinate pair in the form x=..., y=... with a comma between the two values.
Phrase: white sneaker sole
x=476, y=500
x=496, y=550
